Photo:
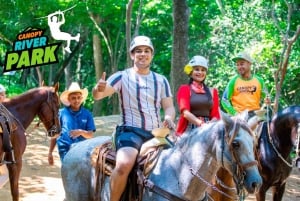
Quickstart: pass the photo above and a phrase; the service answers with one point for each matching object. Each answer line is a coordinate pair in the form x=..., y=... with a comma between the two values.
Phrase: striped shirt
x=140, y=97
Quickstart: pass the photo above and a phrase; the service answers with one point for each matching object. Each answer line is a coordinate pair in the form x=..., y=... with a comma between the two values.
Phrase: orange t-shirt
x=246, y=95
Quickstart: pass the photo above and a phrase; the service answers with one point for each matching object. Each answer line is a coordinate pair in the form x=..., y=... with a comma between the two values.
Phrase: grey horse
x=183, y=171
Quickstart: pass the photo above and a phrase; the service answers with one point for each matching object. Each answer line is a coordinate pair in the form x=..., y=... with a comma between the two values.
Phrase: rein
x=149, y=184
x=211, y=185
x=272, y=143
x=274, y=147
x=298, y=141
x=297, y=161
x=239, y=168
x=239, y=171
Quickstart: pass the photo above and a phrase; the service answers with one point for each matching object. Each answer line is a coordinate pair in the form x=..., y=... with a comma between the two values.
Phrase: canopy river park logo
x=31, y=49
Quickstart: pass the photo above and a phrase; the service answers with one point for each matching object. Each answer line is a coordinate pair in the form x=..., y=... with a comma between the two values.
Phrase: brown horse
x=19, y=112
x=276, y=141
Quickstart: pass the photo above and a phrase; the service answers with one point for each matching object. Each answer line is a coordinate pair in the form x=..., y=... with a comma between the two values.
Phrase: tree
x=215, y=29
x=286, y=51
x=180, y=42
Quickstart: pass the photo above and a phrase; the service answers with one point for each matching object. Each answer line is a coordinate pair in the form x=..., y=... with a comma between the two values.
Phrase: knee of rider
x=123, y=168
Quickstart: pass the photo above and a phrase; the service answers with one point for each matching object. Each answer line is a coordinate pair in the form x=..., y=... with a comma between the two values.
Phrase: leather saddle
x=7, y=127
x=103, y=160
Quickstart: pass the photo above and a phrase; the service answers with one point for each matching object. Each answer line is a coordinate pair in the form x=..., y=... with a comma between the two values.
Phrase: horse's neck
x=199, y=179
x=190, y=164
x=283, y=142
x=279, y=138
x=200, y=161
x=23, y=111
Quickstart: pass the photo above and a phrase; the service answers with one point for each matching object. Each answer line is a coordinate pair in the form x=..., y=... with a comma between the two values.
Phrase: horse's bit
x=239, y=168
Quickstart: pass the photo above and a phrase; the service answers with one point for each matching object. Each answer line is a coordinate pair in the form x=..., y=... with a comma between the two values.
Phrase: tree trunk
x=98, y=62
x=128, y=29
x=180, y=44
x=40, y=75
x=285, y=55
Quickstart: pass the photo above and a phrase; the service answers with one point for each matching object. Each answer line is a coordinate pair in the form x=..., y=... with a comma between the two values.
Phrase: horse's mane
x=28, y=94
x=288, y=115
x=189, y=138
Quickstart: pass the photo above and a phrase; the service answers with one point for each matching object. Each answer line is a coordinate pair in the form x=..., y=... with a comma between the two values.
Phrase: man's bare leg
x=125, y=160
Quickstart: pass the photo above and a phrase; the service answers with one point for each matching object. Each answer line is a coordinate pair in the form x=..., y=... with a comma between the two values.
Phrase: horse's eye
x=235, y=144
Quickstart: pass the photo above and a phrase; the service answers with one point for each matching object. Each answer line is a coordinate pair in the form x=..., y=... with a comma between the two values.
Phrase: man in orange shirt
x=245, y=90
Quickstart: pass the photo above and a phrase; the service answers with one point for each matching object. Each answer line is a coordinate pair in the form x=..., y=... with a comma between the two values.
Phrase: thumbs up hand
x=101, y=83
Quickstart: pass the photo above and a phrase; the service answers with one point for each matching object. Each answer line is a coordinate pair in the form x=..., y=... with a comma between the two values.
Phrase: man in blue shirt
x=77, y=122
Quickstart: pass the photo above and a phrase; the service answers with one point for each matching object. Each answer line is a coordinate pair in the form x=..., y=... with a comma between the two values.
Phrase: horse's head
x=48, y=113
x=238, y=153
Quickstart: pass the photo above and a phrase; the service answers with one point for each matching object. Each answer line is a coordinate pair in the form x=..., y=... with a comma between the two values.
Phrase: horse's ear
x=253, y=122
x=228, y=122
x=56, y=86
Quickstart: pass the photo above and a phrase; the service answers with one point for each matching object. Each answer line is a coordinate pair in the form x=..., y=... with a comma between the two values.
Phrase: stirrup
x=3, y=161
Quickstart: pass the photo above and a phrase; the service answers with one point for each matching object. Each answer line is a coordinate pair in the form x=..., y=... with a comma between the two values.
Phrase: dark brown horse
x=274, y=147
x=19, y=112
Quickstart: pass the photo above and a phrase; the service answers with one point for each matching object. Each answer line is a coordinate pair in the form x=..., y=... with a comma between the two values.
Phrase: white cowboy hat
x=73, y=88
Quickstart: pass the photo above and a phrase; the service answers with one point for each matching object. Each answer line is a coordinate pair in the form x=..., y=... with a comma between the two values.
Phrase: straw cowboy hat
x=73, y=88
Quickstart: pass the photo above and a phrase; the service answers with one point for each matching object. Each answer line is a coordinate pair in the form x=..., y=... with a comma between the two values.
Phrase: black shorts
x=127, y=136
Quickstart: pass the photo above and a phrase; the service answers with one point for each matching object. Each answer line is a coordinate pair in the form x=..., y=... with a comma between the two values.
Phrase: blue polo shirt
x=71, y=120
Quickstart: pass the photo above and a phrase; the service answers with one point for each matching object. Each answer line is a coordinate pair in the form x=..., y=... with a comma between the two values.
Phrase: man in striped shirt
x=142, y=95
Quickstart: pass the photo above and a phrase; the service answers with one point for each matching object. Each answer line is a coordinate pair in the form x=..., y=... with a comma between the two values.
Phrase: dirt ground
x=39, y=181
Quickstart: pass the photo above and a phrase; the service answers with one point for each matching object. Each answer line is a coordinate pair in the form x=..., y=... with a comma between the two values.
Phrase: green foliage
x=12, y=89
x=250, y=27
x=214, y=34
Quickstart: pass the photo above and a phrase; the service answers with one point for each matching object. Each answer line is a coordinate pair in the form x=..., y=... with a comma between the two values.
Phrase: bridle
x=55, y=126
x=274, y=147
x=237, y=166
